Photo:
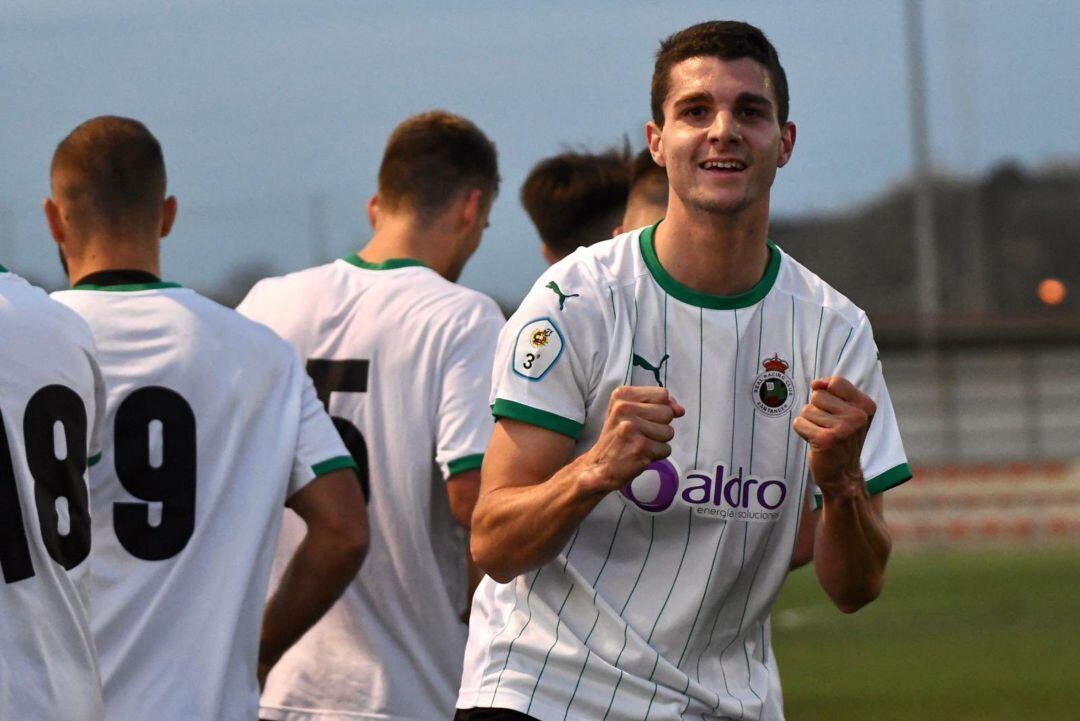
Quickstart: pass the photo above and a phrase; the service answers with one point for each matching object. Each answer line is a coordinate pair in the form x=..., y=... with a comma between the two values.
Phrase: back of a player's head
x=576, y=199
x=648, y=197
x=430, y=158
x=723, y=39
x=109, y=173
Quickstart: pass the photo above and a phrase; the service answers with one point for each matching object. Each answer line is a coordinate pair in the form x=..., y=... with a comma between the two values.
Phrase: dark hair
x=430, y=157
x=577, y=198
x=111, y=172
x=723, y=39
x=649, y=179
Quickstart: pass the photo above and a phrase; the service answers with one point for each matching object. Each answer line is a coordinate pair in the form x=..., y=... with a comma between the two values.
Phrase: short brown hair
x=723, y=39
x=432, y=156
x=111, y=173
x=576, y=198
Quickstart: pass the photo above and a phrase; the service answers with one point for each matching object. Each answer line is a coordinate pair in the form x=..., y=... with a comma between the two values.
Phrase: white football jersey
x=211, y=425
x=51, y=400
x=658, y=606
x=402, y=357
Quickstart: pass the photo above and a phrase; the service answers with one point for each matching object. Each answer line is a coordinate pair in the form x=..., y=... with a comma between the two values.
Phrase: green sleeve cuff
x=881, y=482
x=503, y=408
x=93, y=460
x=334, y=464
x=468, y=463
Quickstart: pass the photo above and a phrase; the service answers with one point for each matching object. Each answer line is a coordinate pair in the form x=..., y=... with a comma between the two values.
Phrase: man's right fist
x=637, y=431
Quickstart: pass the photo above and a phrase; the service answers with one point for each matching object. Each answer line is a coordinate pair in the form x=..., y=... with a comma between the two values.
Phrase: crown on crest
x=776, y=363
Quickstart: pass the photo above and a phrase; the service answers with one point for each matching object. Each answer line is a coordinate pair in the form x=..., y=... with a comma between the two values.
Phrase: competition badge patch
x=774, y=392
x=539, y=344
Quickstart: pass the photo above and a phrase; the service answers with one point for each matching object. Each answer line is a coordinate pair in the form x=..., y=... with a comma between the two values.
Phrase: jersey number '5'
x=54, y=477
x=344, y=376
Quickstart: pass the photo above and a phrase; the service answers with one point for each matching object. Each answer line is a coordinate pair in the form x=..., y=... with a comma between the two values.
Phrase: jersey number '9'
x=168, y=480
x=344, y=376
x=54, y=478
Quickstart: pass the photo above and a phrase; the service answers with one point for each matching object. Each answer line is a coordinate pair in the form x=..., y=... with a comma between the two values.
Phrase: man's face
x=721, y=143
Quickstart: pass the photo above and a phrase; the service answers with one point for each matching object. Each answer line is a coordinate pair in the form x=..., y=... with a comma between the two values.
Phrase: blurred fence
x=992, y=434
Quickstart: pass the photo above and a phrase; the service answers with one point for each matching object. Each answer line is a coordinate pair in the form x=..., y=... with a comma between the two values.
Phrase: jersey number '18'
x=57, y=464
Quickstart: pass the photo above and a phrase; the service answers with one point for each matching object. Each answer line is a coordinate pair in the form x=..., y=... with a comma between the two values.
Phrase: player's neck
x=718, y=254
x=100, y=254
x=402, y=236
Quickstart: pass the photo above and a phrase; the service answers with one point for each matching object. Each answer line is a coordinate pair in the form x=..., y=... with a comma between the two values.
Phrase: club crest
x=774, y=391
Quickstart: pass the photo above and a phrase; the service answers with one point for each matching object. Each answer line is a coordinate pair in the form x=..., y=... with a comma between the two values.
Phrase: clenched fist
x=835, y=423
x=637, y=431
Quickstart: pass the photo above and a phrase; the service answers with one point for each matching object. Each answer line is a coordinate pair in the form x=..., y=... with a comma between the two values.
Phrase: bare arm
x=531, y=499
x=463, y=489
x=322, y=566
x=851, y=542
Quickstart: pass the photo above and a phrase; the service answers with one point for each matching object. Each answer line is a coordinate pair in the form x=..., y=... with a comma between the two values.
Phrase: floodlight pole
x=926, y=259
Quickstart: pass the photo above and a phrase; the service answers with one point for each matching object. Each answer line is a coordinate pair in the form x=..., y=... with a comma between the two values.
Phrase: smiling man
x=635, y=542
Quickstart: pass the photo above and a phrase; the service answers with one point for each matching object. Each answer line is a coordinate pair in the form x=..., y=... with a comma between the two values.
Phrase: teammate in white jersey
x=50, y=381
x=402, y=358
x=636, y=543
x=211, y=426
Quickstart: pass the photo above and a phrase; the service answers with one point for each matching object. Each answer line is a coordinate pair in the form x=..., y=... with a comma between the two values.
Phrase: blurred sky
x=262, y=105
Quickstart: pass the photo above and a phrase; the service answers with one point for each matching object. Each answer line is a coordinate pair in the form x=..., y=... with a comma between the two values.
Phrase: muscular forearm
x=322, y=566
x=851, y=548
x=518, y=528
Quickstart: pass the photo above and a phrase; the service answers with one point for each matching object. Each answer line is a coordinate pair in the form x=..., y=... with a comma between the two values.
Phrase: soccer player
x=648, y=197
x=575, y=199
x=402, y=357
x=658, y=433
x=211, y=426
x=51, y=382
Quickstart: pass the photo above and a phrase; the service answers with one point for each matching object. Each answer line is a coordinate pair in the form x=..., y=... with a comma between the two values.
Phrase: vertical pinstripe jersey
x=411, y=353
x=210, y=425
x=658, y=606
x=51, y=399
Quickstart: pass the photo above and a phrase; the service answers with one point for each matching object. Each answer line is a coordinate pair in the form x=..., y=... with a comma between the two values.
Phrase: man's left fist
x=835, y=423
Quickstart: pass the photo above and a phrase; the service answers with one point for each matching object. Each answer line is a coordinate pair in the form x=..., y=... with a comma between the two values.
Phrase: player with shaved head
x=666, y=418
x=211, y=425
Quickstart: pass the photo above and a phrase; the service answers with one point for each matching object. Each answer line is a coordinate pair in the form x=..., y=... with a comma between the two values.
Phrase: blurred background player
x=648, y=197
x=635, y=543
x=48, y=668
x=576, y=199
x=402, y=358
x=211, y=427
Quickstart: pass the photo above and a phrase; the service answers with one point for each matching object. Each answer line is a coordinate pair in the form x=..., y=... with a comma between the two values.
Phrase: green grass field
x=956, y=636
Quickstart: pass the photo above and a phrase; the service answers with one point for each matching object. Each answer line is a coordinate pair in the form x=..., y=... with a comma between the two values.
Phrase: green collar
x=390, y=264
x=126, y=287
x=704, y=300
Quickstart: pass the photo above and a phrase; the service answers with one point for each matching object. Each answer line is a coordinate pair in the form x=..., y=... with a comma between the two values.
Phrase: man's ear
x=373, y=212
x=787, y=144
x=472, y=206
x=653, y=139
x=54, y=216
x=168, y=215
